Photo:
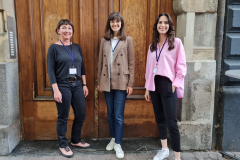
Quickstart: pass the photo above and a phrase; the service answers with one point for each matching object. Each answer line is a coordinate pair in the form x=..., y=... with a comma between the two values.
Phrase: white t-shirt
x=114, y=41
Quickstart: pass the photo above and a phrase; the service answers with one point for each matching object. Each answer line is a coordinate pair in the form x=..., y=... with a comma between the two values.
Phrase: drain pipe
x=218, y=57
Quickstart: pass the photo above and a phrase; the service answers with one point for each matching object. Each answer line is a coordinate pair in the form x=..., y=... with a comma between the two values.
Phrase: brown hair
x=64, y=22
x=170, y=33
x=109, y=32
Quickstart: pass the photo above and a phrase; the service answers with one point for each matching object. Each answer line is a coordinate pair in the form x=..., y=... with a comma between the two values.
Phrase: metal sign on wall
x=12, y=36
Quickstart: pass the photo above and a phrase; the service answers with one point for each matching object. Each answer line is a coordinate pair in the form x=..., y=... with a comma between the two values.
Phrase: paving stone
x=4, y=158
x=237, y=154
x=149, y=156
x=221, y=158
x=19, y=158
x=187, y=156
x=171, y=157
x=138, y=156
x=49, y=158
x=36, y=158
x=204, y=155
x=214, y=155
x=110, y=157
x=97, y=157
x=80, y=157
x=15, y=158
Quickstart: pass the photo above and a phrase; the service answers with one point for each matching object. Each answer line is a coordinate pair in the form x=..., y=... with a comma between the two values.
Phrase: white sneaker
x=161, y=154
x=119, y=151
x=110, y=145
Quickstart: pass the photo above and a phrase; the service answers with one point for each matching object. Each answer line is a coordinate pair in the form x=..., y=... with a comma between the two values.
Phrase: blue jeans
x=115, y=100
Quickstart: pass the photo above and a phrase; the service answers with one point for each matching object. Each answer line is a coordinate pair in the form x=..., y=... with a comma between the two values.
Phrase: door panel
x=37, y=21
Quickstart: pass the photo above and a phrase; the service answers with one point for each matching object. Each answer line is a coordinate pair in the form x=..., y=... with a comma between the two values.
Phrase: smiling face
x=115, y=25
x=65, y=31
x=163, y=25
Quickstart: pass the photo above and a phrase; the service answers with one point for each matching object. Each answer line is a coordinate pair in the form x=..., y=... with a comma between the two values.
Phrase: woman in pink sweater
x=165, y=72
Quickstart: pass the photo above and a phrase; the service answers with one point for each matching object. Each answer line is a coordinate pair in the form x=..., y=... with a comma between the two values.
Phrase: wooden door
x=36, y=23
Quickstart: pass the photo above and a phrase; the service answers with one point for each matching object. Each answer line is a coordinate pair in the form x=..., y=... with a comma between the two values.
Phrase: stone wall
x=196, y=27
x=10, y=126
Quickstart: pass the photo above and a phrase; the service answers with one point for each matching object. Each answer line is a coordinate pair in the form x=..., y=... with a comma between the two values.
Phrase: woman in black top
x=65, y=70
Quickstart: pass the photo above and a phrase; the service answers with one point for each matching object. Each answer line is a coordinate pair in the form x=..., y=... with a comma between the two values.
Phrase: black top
x=59, y=62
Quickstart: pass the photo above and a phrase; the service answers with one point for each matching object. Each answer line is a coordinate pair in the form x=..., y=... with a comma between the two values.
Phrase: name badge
x=155, y=70
x=72, y=70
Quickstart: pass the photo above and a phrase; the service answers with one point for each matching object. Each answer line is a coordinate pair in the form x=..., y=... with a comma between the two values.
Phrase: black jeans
x=165, y=109
x=72, y=94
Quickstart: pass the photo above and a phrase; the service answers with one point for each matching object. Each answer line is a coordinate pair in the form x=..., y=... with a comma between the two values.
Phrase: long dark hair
x=170, y=33
x=109, y=32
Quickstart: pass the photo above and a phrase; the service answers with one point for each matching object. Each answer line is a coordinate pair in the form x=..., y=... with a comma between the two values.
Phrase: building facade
x=27, y=109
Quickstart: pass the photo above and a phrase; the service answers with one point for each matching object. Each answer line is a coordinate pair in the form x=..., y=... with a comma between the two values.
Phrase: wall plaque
x=12, y=36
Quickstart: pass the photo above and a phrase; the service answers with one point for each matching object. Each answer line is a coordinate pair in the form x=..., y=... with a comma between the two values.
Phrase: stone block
x=230, y=64
x=10, y=136
x=232, y=47
x=198, y=41
x=231, y=111
x=233, y=18
x=185, y=32
x=198, y=101
x=181, y=26
x=9, y=93
x=204, y=30
x=195, y=135
x=199, y=6
x=203, y=53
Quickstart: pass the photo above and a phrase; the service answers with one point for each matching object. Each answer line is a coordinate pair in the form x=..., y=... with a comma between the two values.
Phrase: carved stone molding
x=199, y=6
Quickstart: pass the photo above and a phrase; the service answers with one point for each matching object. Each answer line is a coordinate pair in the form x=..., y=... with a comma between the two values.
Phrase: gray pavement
x=134, y=149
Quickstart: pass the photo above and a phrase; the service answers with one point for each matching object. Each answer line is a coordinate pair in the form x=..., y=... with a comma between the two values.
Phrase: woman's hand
x=173, y=88
x=85, y=91
x=129, y=90
x=58, y=96
x=147, y=96
x=98, y=89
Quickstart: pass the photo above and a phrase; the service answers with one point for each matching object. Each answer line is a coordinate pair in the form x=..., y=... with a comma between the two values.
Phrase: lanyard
x=68, y=52
x=157, y=57
x=115, y=46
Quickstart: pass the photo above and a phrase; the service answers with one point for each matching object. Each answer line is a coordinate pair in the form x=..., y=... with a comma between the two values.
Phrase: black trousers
x=72, y=94
x=165, y=109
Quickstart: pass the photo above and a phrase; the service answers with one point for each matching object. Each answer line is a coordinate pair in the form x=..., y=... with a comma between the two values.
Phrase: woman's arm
x=51, y=74
x=57, y=93
x=131, y=66
x=131, y=62
x=83, y=74
x=181, y=68
x=84, y=82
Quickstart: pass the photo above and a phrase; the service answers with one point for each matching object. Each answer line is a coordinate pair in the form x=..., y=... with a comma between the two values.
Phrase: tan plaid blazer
x=122, y=71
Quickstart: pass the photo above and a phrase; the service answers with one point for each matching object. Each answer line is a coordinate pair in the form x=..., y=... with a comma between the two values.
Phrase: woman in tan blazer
x=116, y=76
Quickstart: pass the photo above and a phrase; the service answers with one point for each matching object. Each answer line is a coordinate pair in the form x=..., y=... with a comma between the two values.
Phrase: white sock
x=117, y=145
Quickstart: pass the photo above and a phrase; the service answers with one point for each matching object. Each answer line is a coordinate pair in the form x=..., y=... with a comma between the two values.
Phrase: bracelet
x=84, y=84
